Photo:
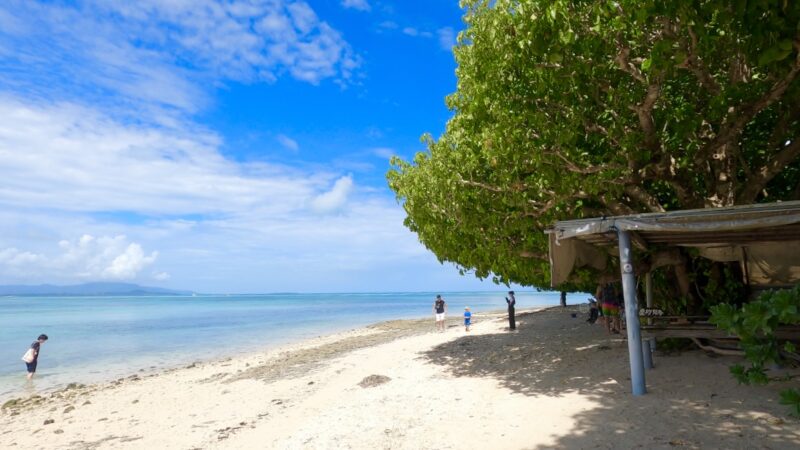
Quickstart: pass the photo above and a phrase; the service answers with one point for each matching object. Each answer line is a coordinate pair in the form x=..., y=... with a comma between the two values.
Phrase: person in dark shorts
x=35, y=347
x=512, y=322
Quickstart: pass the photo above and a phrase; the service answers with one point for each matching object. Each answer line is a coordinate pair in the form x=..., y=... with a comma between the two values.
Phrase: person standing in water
x=31, y=366
x=439, y=310
x=512, y=323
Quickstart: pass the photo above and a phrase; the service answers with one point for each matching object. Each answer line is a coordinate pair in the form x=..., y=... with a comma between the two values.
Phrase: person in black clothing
x=439, y=311
x=512, y=324
x=35, y=346
x=593, y=311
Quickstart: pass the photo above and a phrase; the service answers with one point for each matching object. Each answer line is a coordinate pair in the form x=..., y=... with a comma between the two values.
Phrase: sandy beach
x=556, y=382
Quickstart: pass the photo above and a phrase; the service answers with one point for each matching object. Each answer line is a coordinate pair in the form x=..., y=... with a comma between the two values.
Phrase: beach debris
x=49, y=421
x=59, y=431
x=225, y=433
x=135, y=401
x=87, y=402
x=310, y=383
x=74, y=386
x=69, y=408
x=374, y=380
x=11, y=403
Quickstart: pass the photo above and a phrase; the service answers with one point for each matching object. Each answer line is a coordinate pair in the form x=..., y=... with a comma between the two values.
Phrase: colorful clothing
x=610, y=309
x=467, y=318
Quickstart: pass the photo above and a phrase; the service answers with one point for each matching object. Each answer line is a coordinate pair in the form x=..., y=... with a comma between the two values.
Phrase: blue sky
x=219, y=145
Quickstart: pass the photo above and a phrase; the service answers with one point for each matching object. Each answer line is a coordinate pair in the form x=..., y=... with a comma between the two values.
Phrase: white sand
x=555, y=383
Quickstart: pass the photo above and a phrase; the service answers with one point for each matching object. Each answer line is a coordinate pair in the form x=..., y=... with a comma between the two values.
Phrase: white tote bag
x=28, y=356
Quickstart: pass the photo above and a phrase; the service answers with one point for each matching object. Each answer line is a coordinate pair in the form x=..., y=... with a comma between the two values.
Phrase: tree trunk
x=684, y=285
x=563, y=298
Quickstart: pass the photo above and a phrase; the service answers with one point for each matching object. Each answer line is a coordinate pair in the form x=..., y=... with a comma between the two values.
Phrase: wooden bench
x=706, y=335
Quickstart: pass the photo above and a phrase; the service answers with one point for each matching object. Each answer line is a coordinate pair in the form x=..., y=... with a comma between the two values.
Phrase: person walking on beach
x=610, y=307
x=467, y=318
x=512, y=323
x=31, y=357
x=439, y=310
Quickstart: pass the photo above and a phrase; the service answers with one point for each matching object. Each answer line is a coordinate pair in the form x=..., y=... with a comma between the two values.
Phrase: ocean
x=101, y=338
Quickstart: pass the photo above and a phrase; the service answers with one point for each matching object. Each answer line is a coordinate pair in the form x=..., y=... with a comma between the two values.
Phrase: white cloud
x=411, y=31
x=69, y=157
x=384, y=152
x=415, y=32
x=388, y=25
x=160, y=52
x=360, y=5
x=334, y=199
x=161, y=276
x=447, y=38
x=126, y=265
x=85, y=258
x=288, y=142
x=214, y=221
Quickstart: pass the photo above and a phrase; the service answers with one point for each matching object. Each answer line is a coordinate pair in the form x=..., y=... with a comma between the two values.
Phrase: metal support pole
x=649, y=343
x=631, y=314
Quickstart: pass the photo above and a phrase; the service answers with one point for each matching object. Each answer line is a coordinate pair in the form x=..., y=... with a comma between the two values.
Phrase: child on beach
x=467, y=318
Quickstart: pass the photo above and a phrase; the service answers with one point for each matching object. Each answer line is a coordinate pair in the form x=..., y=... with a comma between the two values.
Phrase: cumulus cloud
x=288, y=142
x=361, y=5
x=131, y=167
x=335, y=198
x=86, y=258
x=161, y=276
x=160, y=52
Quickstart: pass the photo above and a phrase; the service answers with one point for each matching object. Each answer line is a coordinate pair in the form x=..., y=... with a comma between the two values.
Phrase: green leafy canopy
x=568, y=108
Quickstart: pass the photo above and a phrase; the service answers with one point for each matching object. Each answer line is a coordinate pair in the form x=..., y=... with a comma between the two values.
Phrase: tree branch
x=644, y=111
x=637, y=193
x=625, y=65
x=736, y=122
x=572, y=167
x=768, y=171
x=694, y=64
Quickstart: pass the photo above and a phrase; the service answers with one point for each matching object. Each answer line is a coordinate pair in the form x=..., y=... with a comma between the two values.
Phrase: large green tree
x=567, y=108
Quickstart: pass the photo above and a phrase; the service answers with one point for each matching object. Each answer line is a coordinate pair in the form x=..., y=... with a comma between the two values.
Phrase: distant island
x=88, y=289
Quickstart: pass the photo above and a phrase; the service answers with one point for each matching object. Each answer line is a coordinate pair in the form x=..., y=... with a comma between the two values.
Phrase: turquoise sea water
x=101, y=338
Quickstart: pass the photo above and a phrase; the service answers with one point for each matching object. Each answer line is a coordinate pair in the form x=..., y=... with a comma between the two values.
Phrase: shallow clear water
x=101, y=338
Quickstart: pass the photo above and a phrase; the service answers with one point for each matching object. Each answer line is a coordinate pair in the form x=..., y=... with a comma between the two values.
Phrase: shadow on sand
x=692, y=400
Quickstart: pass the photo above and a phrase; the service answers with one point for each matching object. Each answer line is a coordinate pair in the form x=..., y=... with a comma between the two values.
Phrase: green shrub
x=755, y=324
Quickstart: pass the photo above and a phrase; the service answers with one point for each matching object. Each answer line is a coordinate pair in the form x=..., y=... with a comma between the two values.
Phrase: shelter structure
x=764, y=239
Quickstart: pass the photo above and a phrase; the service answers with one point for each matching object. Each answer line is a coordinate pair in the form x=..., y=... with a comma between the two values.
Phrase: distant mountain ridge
x=89, y=289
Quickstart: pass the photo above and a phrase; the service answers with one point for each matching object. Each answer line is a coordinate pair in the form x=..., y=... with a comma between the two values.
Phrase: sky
x=221, y=146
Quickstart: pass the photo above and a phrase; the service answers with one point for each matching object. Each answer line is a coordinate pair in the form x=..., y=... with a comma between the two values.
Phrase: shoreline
x=156, y=333
x=555, y=382
x=224, y=355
